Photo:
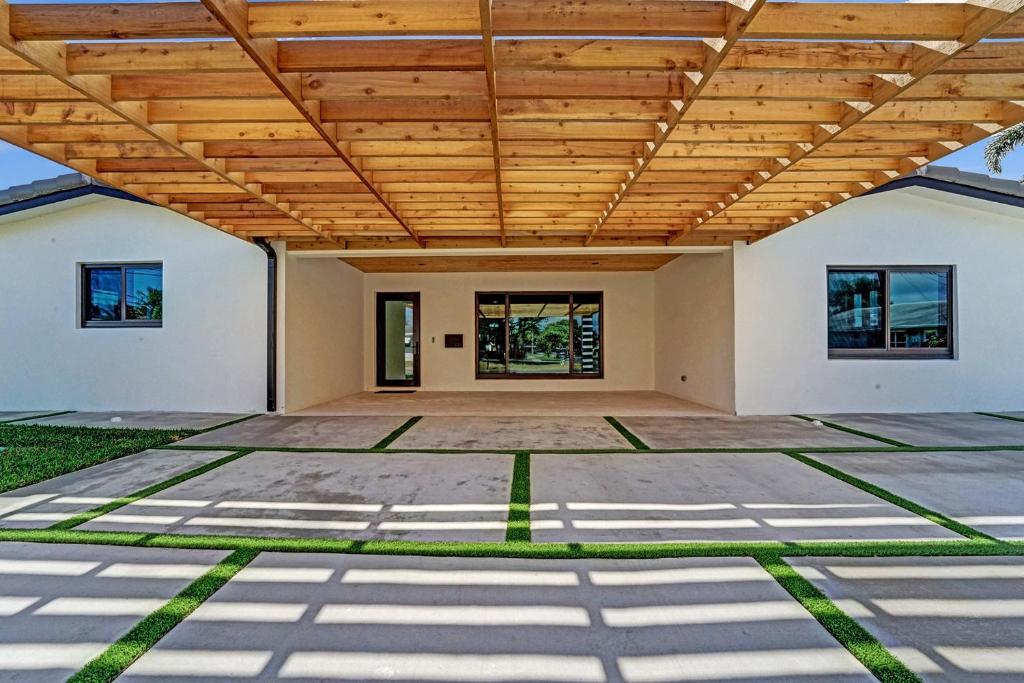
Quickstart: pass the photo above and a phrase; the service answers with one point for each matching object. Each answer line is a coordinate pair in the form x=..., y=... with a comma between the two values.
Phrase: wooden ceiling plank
x=980, y=20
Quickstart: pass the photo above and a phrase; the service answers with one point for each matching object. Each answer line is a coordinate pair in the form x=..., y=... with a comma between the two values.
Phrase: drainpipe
x=271, y=322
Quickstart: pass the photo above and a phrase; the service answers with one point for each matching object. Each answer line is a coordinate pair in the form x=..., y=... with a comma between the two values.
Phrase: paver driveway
x=442, y=609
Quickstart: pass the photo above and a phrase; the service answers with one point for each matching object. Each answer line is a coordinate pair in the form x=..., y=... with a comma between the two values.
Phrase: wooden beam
x=487, y=35
x=738, y=18
x=233, y=15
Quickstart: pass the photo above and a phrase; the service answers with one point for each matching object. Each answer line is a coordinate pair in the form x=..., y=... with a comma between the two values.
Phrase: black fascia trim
x=952, y=188
x=64, y=195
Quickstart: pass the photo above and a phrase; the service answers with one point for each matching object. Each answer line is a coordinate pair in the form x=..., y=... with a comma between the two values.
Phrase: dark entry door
x=398, y=339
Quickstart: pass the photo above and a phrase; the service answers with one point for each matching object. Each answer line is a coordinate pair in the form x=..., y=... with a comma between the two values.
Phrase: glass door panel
x=398, y=339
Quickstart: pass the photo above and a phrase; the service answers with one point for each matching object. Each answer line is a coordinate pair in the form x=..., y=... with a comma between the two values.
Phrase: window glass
x=103, y=294
x=144, y=293
x=538, y=329
x=586, y=334
x=491, y=334
x=855, y=310
x=918, y=309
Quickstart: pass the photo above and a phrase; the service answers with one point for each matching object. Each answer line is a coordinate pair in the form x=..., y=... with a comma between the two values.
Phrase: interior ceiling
x=486, y=123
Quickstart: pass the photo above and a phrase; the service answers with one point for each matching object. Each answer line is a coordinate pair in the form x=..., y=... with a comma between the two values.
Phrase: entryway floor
x=511, y=403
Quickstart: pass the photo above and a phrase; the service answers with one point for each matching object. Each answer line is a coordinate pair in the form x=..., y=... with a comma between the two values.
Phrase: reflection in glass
x=143, y=293
x=491, y=334
x=538, y=329
x=586, y=312
x=918, y=315
x=399, y=340
x=854, y=310
x=103, y=298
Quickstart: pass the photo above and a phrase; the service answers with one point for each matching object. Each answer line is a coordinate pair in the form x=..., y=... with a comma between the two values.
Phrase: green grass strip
x=629, y=436
x=1003, y=417
x=113, y=661
x=406, y=426
x=101, y=510
x=519, y=504
x=857, y=432
x=36, y=417
x=854, y=637
x=556, y=551
x=909, y=505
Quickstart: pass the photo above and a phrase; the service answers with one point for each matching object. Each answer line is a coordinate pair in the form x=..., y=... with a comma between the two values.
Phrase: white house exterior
x=747, y=325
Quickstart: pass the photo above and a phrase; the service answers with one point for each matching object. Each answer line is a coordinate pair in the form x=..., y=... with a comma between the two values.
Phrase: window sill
x=891, y=356
x=122, y=325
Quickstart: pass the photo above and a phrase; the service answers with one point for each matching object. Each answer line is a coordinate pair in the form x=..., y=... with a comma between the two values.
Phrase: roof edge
x=955, y=181
x=62, y=195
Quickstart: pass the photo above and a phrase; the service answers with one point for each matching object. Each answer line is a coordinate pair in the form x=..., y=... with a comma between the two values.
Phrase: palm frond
x=1001, y=145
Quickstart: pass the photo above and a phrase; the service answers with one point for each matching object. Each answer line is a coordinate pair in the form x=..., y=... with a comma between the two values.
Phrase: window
x=894, y=312
x=536, y=335
x=122, y=295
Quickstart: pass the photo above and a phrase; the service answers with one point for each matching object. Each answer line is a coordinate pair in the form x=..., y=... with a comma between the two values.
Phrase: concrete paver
x=706, y=497
x=302, y=432
x=512, y=433
x=412, y=496
x=42, y=504
x=936, y=429
x=365, y=618
x=138, y=420
x=61, y=605
x=981, y=489
x=948, y=618
x=771, y=431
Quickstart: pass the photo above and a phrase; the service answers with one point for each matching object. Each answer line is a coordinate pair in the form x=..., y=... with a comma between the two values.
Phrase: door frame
x=381, y=299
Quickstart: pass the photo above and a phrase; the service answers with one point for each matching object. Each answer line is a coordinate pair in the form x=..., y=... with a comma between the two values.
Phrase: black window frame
x=572, y=330
x=897, y=353
x=84, y=301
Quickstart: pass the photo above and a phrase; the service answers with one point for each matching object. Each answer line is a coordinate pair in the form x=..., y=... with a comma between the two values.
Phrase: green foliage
x=34, y=453
x=1000, y=146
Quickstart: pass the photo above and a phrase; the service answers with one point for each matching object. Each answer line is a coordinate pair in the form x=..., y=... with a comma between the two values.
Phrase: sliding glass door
x=541, y=335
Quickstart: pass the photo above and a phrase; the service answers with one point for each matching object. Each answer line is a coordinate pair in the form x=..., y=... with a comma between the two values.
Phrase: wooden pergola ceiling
x=478, y=123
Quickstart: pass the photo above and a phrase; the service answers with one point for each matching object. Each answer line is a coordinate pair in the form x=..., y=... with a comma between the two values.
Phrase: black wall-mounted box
x=453, y=341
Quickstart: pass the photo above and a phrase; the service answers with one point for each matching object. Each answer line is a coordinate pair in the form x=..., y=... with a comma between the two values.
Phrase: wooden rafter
x=233, y=15
x=487, y=44
x=738, y=18
x=505, y=123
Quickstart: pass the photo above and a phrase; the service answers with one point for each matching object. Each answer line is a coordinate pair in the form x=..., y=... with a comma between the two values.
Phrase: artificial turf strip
x=857, y=432
x=36, y=417
x=854, y=637
x=541, y=551
x=909, y=505
x=101, y=510
x=34, y=453
x=402, y=429
x=1003, y=417
x=519, y=503
x=629, y=436
x=113, y=661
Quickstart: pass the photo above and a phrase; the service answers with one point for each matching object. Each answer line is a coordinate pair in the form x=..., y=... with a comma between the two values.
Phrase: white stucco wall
x=781, y=338
x=447, y=306
x=323, y=339
x=208, y=356
x=694, y=329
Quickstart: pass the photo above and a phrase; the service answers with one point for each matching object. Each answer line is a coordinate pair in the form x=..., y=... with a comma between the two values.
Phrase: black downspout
x=271, y=322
